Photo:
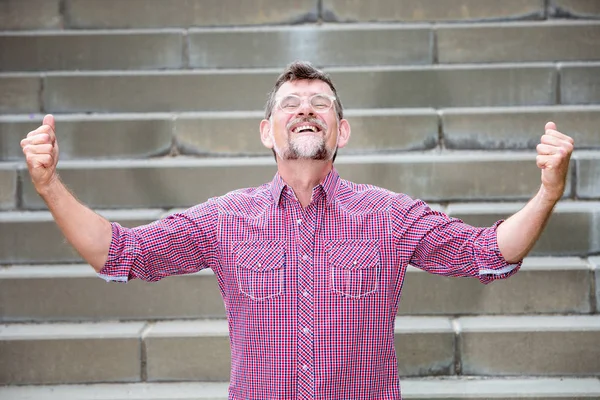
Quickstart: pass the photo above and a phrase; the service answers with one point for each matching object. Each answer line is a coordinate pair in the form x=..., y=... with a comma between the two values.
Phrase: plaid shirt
x=311, y=294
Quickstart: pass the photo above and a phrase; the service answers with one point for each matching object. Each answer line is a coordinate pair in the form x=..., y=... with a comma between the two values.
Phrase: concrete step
x=543, y=286
x=243, y=90
x=96, y=50
x=518, y=42
x=571, y=230
x=202, y=48
x=71, y=353
x=460, y=388
x=17, y=238
x=457, y=10
x=163, y=183
x=198, y=350
x=49, y=14
x=251, y=47
x=439, y=86
x=432, y=10
x=141, y=135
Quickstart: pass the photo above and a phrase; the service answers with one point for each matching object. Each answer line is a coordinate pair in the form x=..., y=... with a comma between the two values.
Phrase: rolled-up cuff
x=492, y=265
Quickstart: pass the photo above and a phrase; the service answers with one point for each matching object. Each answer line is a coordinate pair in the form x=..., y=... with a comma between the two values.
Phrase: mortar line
x=319, y=11
x=143, y=351
x=457, y=348
x=558, y=94
x=185, y=51
x=593, y=285
x=64, y=14
x=434, y=45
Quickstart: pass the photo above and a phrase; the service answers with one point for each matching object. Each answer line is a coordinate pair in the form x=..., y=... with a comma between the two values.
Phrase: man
x=310, y=265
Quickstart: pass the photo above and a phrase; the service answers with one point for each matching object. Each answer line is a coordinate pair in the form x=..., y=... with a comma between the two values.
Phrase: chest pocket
x=354, y=267
x=259, y=269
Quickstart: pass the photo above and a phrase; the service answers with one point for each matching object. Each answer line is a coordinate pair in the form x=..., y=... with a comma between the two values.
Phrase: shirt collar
x=329, y=186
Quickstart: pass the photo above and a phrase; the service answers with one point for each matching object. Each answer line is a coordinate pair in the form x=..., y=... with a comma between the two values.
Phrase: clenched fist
x=554, y=153
x=41, y=152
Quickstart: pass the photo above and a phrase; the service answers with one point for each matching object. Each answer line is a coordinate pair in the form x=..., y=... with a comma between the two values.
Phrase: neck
x=303, y=175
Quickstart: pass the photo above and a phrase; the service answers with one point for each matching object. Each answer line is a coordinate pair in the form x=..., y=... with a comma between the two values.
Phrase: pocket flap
x=353, y=254
x=260, y=256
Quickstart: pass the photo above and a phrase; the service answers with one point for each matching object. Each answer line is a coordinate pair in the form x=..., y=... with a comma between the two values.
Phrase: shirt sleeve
x=442, y=245
x=181, y=243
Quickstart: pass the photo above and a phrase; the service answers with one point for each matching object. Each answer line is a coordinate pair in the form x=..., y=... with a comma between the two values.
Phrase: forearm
x=518, y=234
x=89, y=233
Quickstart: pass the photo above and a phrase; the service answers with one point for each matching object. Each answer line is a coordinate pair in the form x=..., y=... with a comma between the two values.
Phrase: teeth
x=301, y=128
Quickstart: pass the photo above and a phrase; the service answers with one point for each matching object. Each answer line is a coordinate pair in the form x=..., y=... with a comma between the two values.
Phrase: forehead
x=304, y=87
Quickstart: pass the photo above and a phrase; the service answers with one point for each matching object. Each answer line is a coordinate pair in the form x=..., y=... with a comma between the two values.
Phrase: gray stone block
x=588, y=176
x=446, y=86
x=30, y=14
x=543, y=285
x=391, y=130
x=158, y=91
x=432, y=10
x=164, y=183
x=67, y=291
x=449, y=177
x=70, y=353
x=372, y=131
x=571, y=230
x=8, y=186
x=327, y=45
x=93, y=137
x=45, y=242
x=225, y=133
x=424, y=346
x=518, y=128
x=574, y=8
x=20, y=93
x=530, y=345
x=185, y=13
x=580, y=84
x=188, y=350
x=103, y=50
x=519, y=42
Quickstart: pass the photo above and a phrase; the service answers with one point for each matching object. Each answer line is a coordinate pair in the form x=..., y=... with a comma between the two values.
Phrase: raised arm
x=518, y=234
x=89, y=233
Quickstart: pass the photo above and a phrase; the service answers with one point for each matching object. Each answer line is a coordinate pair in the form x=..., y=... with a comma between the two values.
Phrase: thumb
x=549, y=125
x=49, y=120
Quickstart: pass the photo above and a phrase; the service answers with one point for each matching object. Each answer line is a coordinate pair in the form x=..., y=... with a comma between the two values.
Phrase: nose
x=305, y=108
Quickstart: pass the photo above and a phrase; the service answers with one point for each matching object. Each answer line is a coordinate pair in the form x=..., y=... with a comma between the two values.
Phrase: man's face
x=304, y=133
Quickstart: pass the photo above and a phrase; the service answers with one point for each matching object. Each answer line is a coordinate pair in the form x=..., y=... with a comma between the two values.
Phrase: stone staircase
x=157, y=105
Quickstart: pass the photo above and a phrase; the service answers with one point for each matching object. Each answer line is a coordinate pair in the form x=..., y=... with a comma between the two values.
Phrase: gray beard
x=293, y=152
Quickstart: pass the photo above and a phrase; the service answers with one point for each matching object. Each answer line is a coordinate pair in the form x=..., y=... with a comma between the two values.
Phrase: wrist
x=549, y=197
x=49, y=187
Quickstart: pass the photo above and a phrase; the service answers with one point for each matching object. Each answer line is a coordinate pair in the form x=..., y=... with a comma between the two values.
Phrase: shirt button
x=305, y=330
x=299, y=221
x=305, y=367
x=305, y=257
x=305, y=293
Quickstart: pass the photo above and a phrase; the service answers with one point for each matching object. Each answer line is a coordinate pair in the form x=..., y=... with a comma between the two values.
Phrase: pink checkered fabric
x=311, y=294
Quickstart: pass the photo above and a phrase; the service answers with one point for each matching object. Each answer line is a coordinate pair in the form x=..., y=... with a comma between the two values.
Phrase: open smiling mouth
x=306, y=129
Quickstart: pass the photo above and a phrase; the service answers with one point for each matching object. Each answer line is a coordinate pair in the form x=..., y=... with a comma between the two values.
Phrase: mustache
x=309, y=120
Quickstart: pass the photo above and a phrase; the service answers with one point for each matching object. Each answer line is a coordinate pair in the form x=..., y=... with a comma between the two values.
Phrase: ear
x=265, y=134
x=344, y=133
